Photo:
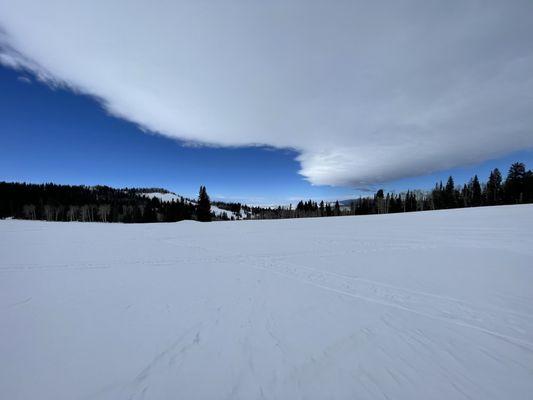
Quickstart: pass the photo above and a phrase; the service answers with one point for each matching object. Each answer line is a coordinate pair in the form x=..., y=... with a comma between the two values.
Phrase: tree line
x=54, y=202
x=516, y=188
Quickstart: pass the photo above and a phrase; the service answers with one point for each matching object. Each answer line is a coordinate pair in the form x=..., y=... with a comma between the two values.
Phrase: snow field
x=432, y=305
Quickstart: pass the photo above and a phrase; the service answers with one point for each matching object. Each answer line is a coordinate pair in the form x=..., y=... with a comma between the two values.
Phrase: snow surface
x=432, y=305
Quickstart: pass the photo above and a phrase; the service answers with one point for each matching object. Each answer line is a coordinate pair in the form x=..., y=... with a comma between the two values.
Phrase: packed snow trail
x=432, y=305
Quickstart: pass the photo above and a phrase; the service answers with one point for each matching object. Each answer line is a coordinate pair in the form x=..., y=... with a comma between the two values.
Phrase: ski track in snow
x=446, y=309
x=364, y=307
x=502, y=323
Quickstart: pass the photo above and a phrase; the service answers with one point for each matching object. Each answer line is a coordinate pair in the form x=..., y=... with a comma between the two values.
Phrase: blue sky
x=366, y=95
x=54, y=135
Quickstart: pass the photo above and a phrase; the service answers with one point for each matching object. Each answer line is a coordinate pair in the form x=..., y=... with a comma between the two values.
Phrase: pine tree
x=203, y=208
x=449, y=194
x=515, y=182
x=466, y=195
x=399, y=204
x=494, y=187
x=528, y=187
x=476, y=192
x=337, y=208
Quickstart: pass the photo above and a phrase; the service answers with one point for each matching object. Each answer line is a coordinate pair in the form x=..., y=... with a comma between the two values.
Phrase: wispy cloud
x=24, y=79
x=365, y=92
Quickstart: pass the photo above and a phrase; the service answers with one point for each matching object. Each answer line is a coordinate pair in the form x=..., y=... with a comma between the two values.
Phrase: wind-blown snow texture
x=433, y=305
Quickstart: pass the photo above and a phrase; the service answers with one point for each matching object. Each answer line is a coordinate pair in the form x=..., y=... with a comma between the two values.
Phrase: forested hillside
x=53, y=202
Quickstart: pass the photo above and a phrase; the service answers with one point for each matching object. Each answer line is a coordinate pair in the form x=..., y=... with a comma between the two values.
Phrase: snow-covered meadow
x=432, y=305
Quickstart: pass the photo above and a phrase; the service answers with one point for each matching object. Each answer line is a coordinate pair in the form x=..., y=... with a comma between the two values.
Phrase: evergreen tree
x=410, y=202
x=449, y=194
x=203, y=208
x=528, y=187
x=494, y=188
x=466, y=195
x=337, y=208
x=399, y=204
x=476, y=192
x=515, y=183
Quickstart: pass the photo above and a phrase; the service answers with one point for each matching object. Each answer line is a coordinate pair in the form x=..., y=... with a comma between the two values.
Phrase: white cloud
x=365, y=93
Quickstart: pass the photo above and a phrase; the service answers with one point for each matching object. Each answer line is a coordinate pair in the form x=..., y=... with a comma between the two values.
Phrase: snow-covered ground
x=433, y=305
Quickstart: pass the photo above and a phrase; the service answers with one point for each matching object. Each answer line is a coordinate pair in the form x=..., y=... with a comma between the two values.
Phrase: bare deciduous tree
x=103, y=212
x=29, y=211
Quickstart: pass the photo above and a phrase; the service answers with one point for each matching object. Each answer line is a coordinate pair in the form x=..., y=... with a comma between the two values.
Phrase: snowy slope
x=162, y=196
x=219, y=211
x=214, y=209
x=433, y=305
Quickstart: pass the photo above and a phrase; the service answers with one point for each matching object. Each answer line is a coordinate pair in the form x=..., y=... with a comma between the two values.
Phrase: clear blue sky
x=55, y=135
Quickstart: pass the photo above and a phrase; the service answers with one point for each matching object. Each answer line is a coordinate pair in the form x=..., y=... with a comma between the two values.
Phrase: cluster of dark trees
x=53, y=202
x=517, y=188
x=306, y=208
x=233, y=207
